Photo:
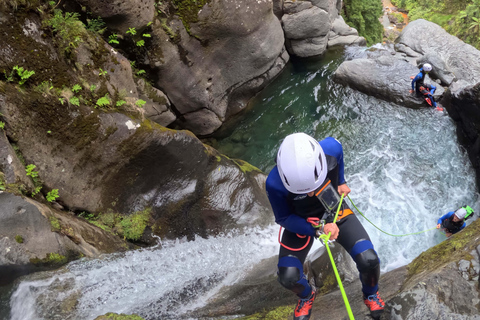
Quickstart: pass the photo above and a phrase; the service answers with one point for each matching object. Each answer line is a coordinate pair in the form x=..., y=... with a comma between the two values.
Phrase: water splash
x=155, y=283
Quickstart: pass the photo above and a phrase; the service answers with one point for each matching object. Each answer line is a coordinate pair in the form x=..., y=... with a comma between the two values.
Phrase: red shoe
x=304, y=307
x=375, y=304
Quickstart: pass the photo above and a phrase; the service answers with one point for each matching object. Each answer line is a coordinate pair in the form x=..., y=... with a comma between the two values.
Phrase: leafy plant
x=52, y=195
x=76, y=88
x=102, y=72
x=132, y=31
x=132, y=64
x=103, y=101
x=93, y=87
x=140, y=43
x=68, y=28
x=140, y=103
x=140, y=72
x=96, y=25
x=113, y=39
x=75, y=101
x=62, y=100
x=120, y=103
x=2, y=125
x=30, y=169
x=146, y=35
x=24, y=74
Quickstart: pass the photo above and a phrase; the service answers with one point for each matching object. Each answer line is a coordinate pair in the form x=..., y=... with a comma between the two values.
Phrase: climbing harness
x=393, y=235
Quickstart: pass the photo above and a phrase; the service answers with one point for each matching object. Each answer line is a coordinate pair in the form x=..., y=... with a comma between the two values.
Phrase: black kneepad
x=288, y=277
x=369, y=266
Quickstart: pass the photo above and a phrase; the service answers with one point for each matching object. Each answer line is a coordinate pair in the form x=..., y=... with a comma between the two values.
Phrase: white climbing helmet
x=427, y=67
x=461, y=213
x=301, y=163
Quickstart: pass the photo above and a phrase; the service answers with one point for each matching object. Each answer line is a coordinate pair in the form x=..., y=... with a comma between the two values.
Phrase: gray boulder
x=33, y=236
x=386, y=77
x=308, y=23
x=429, y=39
x=307, y=30
x=229, y=54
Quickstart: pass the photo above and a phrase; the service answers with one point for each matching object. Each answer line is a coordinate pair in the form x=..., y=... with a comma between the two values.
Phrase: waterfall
x=405, y=169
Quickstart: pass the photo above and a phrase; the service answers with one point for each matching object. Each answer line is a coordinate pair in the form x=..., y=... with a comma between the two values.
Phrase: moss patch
x=133, y=226
x=280, y=313
x=55, y=223
x=187, y=10
x=51, y=259
x=115, y=316
x=19, y=238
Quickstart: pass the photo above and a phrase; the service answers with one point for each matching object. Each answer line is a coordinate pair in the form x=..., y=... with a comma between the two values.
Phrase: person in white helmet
x=454, y=221
x=421, y=88
x=304, y=187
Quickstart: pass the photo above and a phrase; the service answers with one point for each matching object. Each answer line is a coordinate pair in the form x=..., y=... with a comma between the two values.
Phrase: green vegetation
x=280, y=313
x=30, y=169
x=133, y=226
x=52, y=195
x=130, y=227
x=19, y=238
x=22, y=73
x=120, y=103
x=363, y=15
x=112, y=39
x=131, y=31
x=67, y=28
x=140, y=103
x=460, y=18
x=96, y=25
x=103, y=101
x=140, y=43
x=55, y=223
x=115, y=316
x=187, y=10
x=50, y=259
x=2, y=125
x=76, y=88
x=75, y=101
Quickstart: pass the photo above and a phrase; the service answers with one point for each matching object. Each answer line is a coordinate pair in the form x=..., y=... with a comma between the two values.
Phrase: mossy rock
x=280, y=313
x=115, y=316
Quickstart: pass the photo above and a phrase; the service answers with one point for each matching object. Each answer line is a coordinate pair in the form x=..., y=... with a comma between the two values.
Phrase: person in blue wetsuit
x=420, y=87
x=300, y=189
x=452, y=222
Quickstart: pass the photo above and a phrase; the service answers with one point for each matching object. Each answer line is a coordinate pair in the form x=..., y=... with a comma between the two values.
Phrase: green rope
x=393, y=235
x=325, y=239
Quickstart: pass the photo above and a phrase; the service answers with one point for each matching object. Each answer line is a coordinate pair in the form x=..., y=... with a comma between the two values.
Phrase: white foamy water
x=155, y=283
x=404, y=166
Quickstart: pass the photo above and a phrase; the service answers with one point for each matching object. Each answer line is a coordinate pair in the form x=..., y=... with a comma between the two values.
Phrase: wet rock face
x=230, y=52
x=120, y=14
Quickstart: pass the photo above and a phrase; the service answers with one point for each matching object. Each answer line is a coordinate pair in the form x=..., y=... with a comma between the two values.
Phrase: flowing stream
x=404, y=166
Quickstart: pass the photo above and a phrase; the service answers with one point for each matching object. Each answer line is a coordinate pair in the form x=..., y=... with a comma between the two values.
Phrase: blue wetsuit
x=449, y=225
x=419, y=81
x=291, y=212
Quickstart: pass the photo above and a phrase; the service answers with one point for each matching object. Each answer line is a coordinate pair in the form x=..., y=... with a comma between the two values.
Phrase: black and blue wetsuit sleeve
x=333, y=147
x=445, y=216
x=417, y=77
x=284, y=215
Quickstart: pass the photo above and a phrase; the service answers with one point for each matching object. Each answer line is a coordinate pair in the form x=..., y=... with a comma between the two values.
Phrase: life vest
x=451, y=226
